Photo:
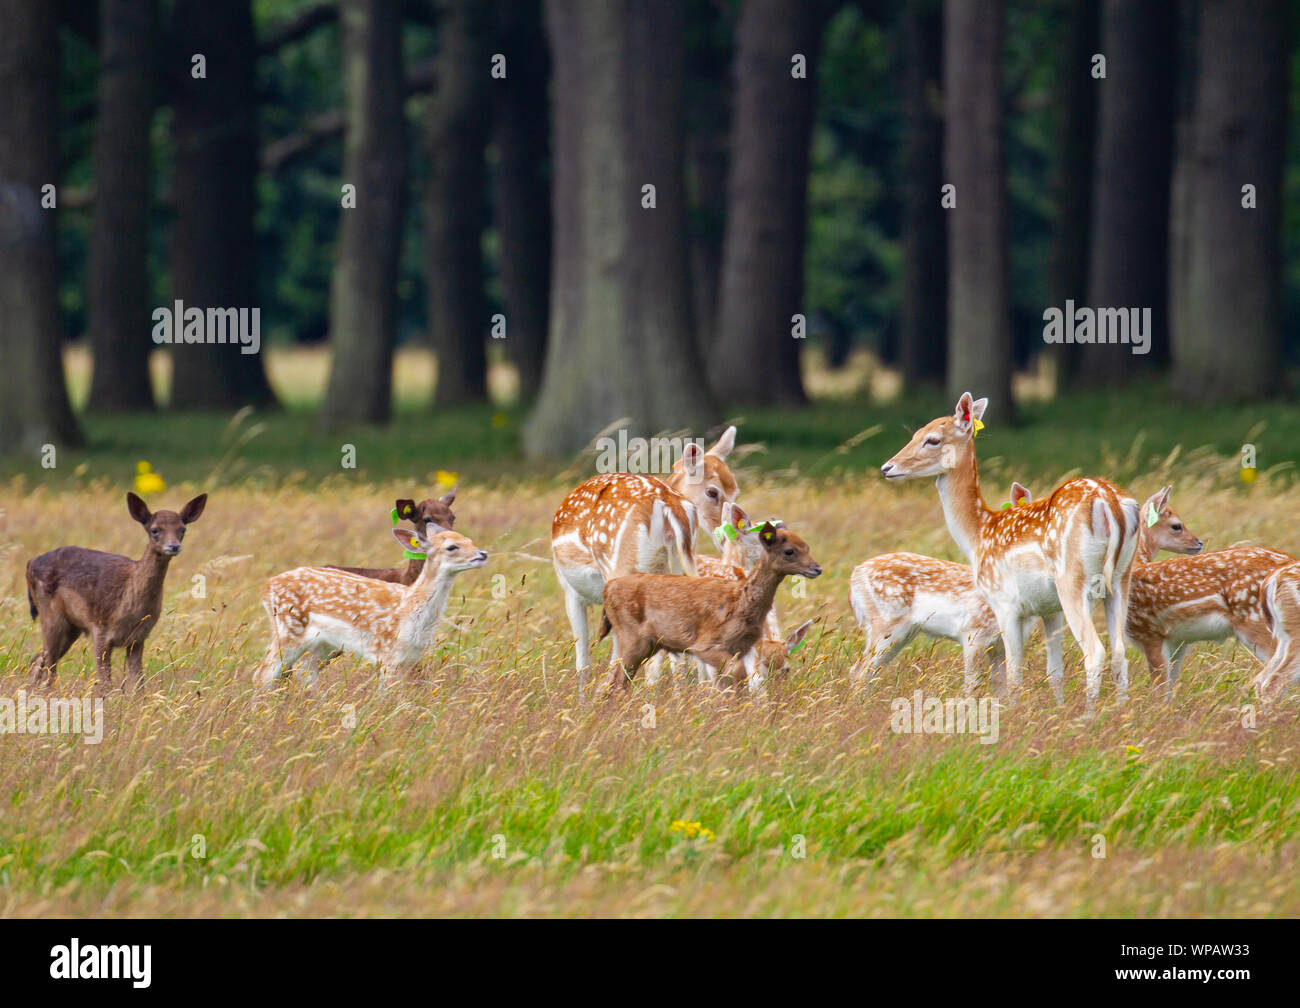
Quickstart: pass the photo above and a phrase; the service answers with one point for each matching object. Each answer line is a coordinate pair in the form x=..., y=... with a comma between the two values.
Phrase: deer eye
x=452, y=548
x=789, y=551
x=713, y=493
x=932, y=440
x=1176, y=527
x=153, y=532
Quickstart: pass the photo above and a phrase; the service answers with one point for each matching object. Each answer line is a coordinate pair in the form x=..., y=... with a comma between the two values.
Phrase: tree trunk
x=213, y=244
x=1129, y=261
x=924, y=319
x=34, y=408
x=363, y=288
x=522, y=180
x=708, y=115
x=767, y=203
x=622, y=342
x=455, y=201
x=119, y=242
x=1230, y=345
x=1076, y=93
x=1180, y=210
x=979, y=323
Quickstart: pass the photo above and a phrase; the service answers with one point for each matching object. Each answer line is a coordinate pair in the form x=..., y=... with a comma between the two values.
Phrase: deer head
x=444, y=550
x=1164, y=528
x=786, y=552
x=940, y=446
x=704, y=478
x=166, y=528
x=433, y=510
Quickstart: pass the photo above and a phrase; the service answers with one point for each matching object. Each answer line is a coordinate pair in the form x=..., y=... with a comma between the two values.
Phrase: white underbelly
x=1204, y=627
x=939, y=615
x=588, y=582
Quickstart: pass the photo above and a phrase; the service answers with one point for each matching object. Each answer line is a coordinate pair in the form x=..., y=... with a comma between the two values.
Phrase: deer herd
x=626, y=543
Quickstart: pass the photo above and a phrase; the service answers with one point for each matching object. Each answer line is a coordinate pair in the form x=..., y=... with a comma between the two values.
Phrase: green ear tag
x=393, y=515
x=798, y=646
x=730, y=531
x=1006, y=505
x=1153, y=515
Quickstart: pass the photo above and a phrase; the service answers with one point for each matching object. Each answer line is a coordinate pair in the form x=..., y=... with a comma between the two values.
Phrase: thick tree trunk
x=622, y=341
x=979, y=323
x=1230, y=344
x=34, y=408
x=767, y=203
x=1076, y=93
x=1129, y=261
x=363, y=289
x=522, y=180
x=923, y=335
x=213, y=244
x=119, y=244
x=455, y=201
x=708, y=117
x=1180, y=210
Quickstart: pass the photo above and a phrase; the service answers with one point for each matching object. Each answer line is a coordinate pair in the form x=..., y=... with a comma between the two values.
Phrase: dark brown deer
x=713, y=619
x=435, y=511
x=113, y=599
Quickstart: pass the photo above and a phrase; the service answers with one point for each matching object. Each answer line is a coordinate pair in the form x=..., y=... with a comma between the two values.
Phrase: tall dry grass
x=480, y=786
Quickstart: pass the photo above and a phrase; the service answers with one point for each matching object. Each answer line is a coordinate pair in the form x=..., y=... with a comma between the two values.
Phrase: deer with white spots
x=1057, y=554
x=620, y=523
x=898, y=595
x=315, y=611
x=1281, y=603
x=1210, y=597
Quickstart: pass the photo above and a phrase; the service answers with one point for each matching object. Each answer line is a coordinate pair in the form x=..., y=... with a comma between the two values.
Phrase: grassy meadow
x=480, y=786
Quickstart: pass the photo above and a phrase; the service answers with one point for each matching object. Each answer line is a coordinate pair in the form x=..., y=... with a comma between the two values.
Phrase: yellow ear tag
x=767, y=536
x=406, y=510
x=979, y=426
x=415, y=542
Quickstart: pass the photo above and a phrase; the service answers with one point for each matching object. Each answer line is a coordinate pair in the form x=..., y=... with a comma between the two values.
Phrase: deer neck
x=147, y=577
x=1146, y=550
x=427, y=596
x=964, y=509
x=758, y=592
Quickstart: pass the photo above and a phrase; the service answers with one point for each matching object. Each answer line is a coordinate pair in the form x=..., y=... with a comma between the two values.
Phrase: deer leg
x=103, y=664
x=1116, y=603
x=1079, y=618
x=134, y=666
x=1013, y=646
x=1176, y=658
x=577, y=612
x=1053, y=638
x=44, y=668
x=654, y=668
x=880, y=649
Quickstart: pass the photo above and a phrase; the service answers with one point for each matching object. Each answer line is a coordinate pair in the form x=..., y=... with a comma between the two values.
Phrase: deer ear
x=405, y=508
x=138, y=508
x=1162, y=499
x=794, y=639
x=725, y=443
x=1020, y=492
x=450, y=495
x=692, y=458
x=767, y=533
x=410, y=539
x=962, y=413
x=191, y=511
x=740, y=518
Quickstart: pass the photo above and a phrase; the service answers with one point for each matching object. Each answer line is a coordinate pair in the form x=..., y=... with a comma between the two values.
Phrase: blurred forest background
x=500, y=151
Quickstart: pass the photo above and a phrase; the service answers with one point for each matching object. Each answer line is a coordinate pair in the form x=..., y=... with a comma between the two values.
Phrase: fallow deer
x=1060, y=553
x=1281, y=604
x=619, y=523
x=712, y=619
x=435, y=511
x=894, y=596
x=317, y=610
x=114, y=599
x=1208, y=597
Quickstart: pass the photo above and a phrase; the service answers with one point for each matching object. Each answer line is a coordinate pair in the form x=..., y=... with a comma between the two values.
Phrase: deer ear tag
x=393, y=515
x=1153, y=516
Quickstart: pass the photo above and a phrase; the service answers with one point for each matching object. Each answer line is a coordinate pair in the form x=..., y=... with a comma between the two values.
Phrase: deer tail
x=605, y=625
